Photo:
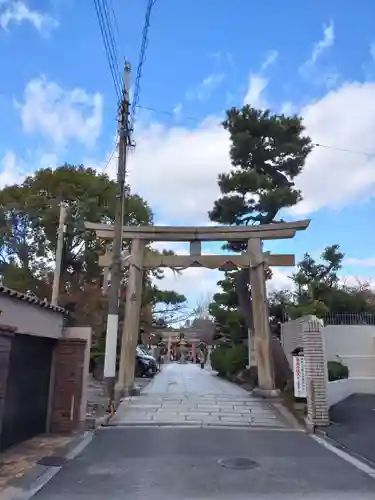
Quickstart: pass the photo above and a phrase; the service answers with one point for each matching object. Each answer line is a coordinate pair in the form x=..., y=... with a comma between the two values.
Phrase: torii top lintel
x=277, y=230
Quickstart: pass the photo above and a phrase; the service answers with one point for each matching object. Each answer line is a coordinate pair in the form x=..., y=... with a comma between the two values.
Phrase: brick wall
x=69, y=362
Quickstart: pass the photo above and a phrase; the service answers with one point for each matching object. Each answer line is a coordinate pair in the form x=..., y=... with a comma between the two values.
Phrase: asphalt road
x=354, y=424
x=182, y=463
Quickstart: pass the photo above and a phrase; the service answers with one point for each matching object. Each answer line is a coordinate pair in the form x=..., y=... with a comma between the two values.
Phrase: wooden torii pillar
x=254, y=259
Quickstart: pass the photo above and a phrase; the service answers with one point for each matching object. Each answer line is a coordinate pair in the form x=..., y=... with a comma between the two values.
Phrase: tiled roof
x=30, y=299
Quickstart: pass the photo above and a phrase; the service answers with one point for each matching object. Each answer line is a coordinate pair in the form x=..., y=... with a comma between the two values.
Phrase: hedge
x=337, y=371
x=229, y=361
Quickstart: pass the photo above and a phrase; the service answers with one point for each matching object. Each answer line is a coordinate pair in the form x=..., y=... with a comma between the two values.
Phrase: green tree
x=29, y=215
x=267, y=152
x=229, y=322
x=319, y=290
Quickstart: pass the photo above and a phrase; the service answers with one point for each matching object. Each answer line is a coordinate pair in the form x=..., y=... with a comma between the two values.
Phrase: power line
x=343, y=150
x=110, y=158
x=113, y=12
x=199, y=120
x=141, y=61
x=101, y=8
x=168, y=113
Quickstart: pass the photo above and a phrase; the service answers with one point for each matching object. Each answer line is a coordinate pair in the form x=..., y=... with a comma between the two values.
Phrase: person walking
x=202, y=359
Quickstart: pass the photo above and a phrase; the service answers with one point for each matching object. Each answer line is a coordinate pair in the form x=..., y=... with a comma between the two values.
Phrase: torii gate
x=254, y=258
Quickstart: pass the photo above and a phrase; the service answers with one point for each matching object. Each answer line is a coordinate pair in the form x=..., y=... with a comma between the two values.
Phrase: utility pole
x=113, y=294
x=58, y=258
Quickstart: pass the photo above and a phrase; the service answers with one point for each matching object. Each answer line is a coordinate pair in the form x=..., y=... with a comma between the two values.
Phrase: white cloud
x=368, y=262
x=176, y=168
x=254, y=95
x=223, y=57
x=193, y=282
x=288, y=108
x=372, y=50
x=343, y=119
x=11, y=171
x=61, y=115
x=197, y=282
x=177, y=111
x=270, y=59
x=17, y=12
x=325, y=43
x=203, y=91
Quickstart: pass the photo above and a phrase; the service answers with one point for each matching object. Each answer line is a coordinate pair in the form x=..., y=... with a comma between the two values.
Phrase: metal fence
x=357, y=318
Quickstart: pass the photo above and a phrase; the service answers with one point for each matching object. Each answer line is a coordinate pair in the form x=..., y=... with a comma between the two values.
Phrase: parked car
x=145, y=365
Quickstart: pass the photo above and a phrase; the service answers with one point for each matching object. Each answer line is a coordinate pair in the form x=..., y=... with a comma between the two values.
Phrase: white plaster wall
x=341, y=389
x=30, y=318
x=354, y=345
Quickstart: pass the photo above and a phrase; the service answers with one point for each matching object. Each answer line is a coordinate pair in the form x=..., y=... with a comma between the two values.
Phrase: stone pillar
x=130, y=330
x=316, y=371
x=69, y=360
x=251, y=349
x=6, y=337
x=169, y=348
x=262, y=333
x=194, y=351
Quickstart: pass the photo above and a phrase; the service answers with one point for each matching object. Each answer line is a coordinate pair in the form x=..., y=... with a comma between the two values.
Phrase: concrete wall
x=353, y=345
x=341, y=389
x=30, y=318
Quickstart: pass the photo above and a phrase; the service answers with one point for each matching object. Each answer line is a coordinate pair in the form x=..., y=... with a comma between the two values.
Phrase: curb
x=342, y=447
x=199, y=425
x=93, y=423
x=38, y=476
x=289, y=417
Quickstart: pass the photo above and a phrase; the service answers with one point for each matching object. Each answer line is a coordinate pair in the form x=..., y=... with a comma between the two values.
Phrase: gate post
x=130, y=330
x=316, y=371
x=69, y=360
x=262, y=333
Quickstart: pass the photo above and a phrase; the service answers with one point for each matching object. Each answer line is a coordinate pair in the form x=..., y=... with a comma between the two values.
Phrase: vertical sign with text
x=299, y=372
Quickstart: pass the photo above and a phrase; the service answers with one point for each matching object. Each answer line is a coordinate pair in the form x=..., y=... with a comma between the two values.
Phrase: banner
x=299, y=372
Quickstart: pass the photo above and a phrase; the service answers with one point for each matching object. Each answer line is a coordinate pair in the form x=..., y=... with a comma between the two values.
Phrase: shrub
x=218, y=360
x=236, y=359
x=229, y=361
x=337, y=371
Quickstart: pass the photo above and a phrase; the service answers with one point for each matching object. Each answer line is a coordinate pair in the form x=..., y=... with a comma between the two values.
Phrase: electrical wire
x=109, y=159
x=199, y=120
x=343, y=150
x=114, y=17
x=141, y=61
x=105, y=26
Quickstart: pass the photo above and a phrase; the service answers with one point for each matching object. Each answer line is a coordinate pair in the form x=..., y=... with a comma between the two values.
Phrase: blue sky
x=317, y=58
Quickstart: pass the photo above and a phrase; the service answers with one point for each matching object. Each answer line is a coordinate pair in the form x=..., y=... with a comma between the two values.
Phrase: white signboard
x=299, y=372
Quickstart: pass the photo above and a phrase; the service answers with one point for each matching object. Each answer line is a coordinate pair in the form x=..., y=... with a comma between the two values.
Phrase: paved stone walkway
x=187, y=395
